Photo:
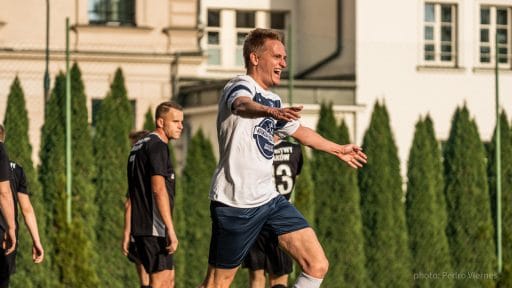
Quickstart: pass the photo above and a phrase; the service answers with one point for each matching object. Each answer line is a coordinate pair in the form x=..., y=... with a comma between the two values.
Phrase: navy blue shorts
x=266, y=255
x=234, y=230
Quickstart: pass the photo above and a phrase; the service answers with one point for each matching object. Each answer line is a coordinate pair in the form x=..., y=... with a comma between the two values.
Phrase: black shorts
x=7, y=263
x=266, y=255
x=152, y=253
x=133, y=255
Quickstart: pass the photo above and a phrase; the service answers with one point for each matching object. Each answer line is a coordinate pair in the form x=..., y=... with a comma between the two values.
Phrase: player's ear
x=254, y=58
x=159, y=123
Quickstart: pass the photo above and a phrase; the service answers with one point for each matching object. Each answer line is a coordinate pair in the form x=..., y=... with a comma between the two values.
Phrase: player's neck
x=160, y=133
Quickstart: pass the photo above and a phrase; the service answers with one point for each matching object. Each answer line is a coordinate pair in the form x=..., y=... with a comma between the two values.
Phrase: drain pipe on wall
x=339, y=48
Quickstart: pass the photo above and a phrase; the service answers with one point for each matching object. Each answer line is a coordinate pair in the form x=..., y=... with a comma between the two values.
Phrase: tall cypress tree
x=385, y=232
x=111, y=148
x=336, y=219
x=343, y=238
x=197, y=173
x=506, y=194
x=303, y=196
x=426, y=217
x=19, y=148
x=72, y=255
x=83, y=189
x=326, y=174
x=470, y=230
x=149, y=121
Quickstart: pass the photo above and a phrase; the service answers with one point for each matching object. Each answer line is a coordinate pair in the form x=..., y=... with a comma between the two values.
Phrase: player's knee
x=317, y=268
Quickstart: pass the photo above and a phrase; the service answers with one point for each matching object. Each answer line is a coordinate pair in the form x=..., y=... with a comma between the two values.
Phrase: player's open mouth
x=277, y=72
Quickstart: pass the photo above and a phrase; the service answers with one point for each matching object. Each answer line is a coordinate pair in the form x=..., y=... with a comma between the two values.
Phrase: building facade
x=417, y=56
x=151, y=41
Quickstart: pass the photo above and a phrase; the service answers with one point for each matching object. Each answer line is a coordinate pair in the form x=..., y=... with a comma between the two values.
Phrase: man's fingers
x=10, y=249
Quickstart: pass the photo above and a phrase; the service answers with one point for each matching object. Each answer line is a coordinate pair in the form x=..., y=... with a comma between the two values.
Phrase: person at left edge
x=8, y=228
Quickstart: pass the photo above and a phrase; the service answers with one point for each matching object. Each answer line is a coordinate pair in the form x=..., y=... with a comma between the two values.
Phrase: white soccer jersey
x=243, y=177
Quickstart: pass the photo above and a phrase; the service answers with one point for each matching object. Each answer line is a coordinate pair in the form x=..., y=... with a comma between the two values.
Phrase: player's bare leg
x=304, y=247
x=143, y=275
x=278, y=280
x=162, y=279
x=222, y=278
x=257, y=278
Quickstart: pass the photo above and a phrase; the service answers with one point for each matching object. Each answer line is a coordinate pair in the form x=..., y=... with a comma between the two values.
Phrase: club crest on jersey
x=262, y=133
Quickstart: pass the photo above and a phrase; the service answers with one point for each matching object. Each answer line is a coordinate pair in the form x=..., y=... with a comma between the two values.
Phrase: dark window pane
x=501, y=17
x=446, y=33
x=213, y=38
x=446, y=57
x=446, y=13
x=277, y=20
x=485, y=16
x=245, y=19
x=484, y=54
x=121, y=12
x=240, y=38
x=430, y=12
x=429, y=52
x=429, y=33
x=484, y=35
x=213, y=18
x=502, y=59
x=503, y=51
x=446, y=48
x=502, y=36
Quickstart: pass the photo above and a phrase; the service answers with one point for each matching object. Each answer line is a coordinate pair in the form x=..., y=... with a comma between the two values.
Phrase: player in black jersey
x=151, y=184
x=128, y=245
x=265, y=255
x=19, y=194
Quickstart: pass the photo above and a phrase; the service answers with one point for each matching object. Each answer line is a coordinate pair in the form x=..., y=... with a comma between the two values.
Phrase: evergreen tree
x=73, y=256
x=197, y=173
x=303, y=196
x=506, y=194
x=19, y=149
x=385, y=232
x=149, y=121
x=426, y=218
x=470, y=230
x=83, y=189
x=111, y=149
x=337, y=194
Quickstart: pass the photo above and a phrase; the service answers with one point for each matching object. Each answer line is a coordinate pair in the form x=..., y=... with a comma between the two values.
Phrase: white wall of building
x=389, y=68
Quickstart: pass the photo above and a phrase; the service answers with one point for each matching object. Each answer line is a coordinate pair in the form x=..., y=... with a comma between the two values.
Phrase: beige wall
x=145, y=53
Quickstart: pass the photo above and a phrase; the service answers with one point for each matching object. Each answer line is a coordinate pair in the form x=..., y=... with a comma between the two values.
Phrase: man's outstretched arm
x=349, y=153
x=247, y=108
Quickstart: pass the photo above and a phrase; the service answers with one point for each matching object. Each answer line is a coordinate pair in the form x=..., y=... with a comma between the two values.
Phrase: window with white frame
x=440, y=34
x=226, y=30
x=245, y=22
x=495, y=25
x=213, y=37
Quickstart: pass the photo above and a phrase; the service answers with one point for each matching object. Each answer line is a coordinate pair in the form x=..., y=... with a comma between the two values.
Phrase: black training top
x=4, y=163
x=149, y=157
x=287, y=165
x=18, y=182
